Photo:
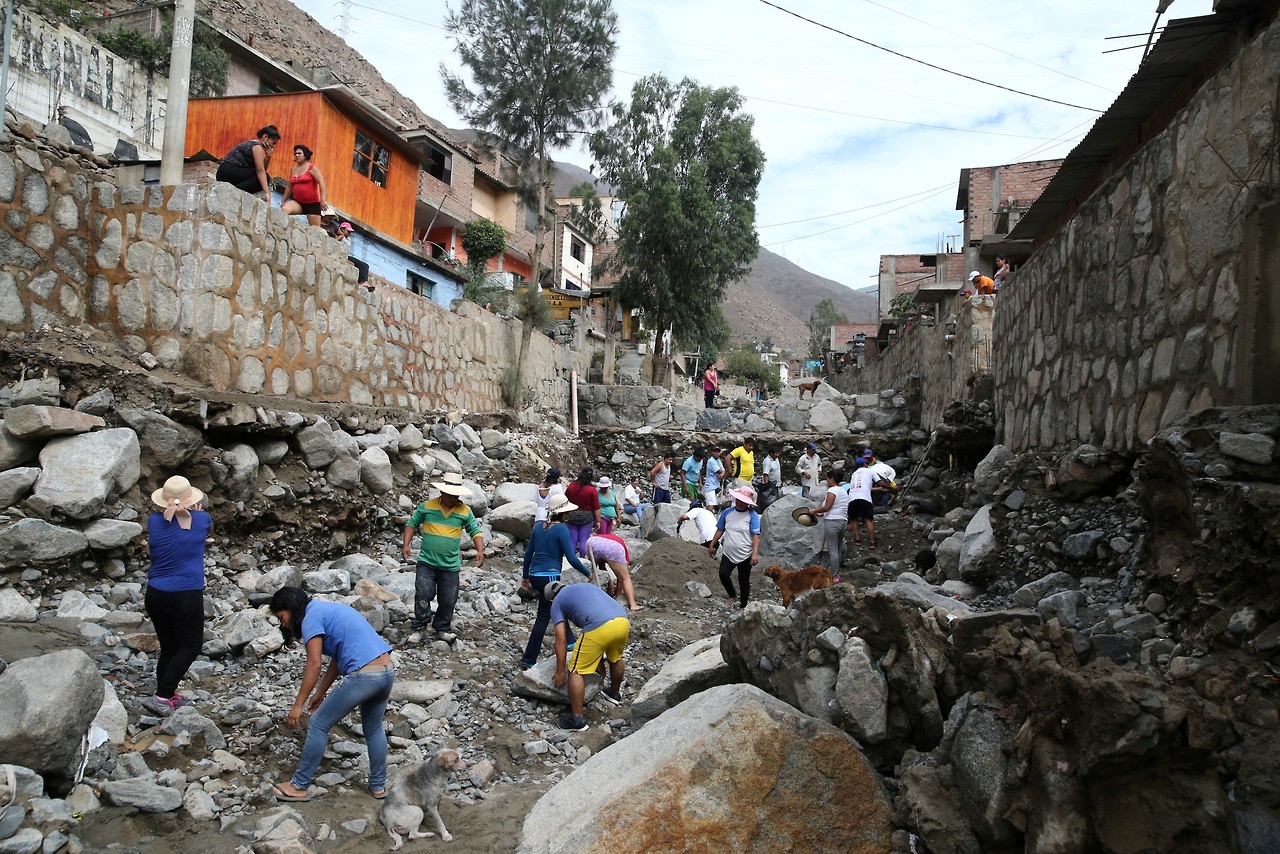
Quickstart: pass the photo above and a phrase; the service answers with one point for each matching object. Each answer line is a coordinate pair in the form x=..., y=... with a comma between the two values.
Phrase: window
x=420, y=285
x=577, y=249
x=439, y=163
x=371, y=159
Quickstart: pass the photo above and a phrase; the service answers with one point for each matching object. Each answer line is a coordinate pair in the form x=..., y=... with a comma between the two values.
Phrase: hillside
x=776, y=297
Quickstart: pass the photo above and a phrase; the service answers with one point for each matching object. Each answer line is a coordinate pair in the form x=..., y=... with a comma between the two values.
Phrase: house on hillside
x=993, y=200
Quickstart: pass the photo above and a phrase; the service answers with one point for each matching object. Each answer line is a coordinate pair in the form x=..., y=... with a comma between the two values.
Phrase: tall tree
x=539, y=70
x=821, y=319
x=687, y=166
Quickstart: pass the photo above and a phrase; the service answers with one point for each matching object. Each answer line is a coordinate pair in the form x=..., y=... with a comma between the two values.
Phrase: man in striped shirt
x=441, y=522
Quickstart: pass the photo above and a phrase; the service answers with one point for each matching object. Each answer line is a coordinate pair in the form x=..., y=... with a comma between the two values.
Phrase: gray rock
x=242, y=481
x=277, y=577
x=1155, y=603
x=514, y=518
x=171, y=444
x=659, y=521
x=424, y=692
x=39, y=422
x=141, y=794
x=28, y=840
x=1086, y=471
x=411, y=438
x=922, y=597
x=445, y=460
x=476, y=498
x=99, y=403
x=948, y=555
x=694, y=669
x=783, y=540
x=536, y=684
x=1118, y=648
x=77, y=606
x=1015, y=499
x=242, y=627
x=505, y=493
x=861, y=694
x=15, y=484
x=715, y=419
x=991, y=472
x=1064, y=606
x=111, y=533
x=15, y=451
x=1142, y=625
x=491, y=439
x=1256, y=448
x=14, y=608
x=35, y=540
x=80, y=473
x=979, y=762
x=344, y=473
x=11, y=819
x=199, y=804
x=979, y=541
x=1029, y=594
x=326, y=581
x=791, y=419
x=375, y=471
x=827, y=417
x=271, y=451
x=317, y=444
x=446, y=439
x=42, y=392
x=1080, y=545
x=46, y=705
x=189, y=721
x=695, y=761
x=958, y=589
x=111, y=716
x=357, y=566
x=388, y=439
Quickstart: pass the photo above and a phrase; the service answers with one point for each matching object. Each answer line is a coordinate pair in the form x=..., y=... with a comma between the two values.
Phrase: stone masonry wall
x=240, y=297
x=938, y=371
x=1134, y=313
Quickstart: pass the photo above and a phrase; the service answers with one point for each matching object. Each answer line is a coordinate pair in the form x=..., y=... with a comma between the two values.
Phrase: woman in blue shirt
x=357, y=653
x=176, y=536
x=549, y=545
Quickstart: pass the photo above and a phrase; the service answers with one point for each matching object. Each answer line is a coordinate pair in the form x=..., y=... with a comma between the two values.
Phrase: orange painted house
x=370, y=173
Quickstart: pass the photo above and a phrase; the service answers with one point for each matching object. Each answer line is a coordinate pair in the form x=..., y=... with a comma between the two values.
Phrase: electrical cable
x=927, y=64
x=854, y=210
x=858, y=222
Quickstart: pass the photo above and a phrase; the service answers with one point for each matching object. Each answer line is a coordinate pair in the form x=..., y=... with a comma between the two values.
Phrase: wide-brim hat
x=450, y=483
x=177, y=489
x=560, y=504
x=745, y=494
x=804, y=516
x=604, y=483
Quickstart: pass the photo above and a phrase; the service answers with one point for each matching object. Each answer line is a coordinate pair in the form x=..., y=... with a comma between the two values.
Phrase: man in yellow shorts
x=605, y=629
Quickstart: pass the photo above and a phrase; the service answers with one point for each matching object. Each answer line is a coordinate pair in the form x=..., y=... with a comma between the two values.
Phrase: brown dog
x=416, y=794
x=792, y=584
x=811, y=387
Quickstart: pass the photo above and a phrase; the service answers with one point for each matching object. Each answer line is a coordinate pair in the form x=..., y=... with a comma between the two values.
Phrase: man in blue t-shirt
x=605, y=630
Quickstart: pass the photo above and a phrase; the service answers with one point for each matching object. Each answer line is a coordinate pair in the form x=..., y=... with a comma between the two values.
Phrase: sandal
x=281, y=795
x=872, y=547
x=378, y=794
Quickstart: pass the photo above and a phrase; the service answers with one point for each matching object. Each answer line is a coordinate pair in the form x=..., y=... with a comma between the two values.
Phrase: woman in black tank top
x=245, y=166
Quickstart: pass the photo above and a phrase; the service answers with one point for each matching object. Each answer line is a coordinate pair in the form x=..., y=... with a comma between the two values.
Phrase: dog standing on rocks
x=792, y=584
x=416, y=794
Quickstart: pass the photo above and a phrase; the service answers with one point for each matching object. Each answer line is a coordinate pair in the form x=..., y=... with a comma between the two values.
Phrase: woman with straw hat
x=176, y=535
x=549, y=545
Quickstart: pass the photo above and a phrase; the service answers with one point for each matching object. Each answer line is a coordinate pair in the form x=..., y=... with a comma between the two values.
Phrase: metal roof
x=1173, y=59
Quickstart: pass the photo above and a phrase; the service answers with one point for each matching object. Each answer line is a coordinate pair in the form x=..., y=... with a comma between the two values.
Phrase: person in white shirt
x=705, y=521
x=738, y=534
x=660, y=478
x=633, y=502
x=549, y=488
x=860, y=509
x=809, y=467
x=884, y=487
x=835, y=514
x=771, y=472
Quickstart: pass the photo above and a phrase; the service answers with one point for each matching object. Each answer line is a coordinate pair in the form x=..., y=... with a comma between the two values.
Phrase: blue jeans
x=534, y=646
x=438, y=584
x=368, y=691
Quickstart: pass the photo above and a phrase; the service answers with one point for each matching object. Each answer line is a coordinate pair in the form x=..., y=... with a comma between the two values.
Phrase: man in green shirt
x=441, y=522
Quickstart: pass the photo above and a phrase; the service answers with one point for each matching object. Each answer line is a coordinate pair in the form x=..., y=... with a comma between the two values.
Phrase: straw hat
x=560, y=504
x=177, y=491
x=451, y=484
x=804, y=516
x=744, y=494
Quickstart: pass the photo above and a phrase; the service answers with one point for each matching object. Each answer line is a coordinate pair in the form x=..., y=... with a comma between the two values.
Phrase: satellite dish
x=79, y=135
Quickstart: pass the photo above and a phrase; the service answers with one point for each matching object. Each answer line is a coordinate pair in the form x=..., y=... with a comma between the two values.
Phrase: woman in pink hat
x=176, y=535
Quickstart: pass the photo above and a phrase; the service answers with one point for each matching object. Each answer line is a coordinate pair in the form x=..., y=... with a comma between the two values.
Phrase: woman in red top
x=586, y=518
x=305, y=193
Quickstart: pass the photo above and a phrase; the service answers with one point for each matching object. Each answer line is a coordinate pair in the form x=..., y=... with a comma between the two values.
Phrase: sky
x=864, y=148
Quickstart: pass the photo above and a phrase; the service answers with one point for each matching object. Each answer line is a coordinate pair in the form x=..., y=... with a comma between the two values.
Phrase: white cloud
x=803, y=83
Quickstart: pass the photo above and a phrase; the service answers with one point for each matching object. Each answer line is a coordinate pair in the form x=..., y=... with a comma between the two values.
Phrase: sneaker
x=611, y=696
x=447, y=637
x=157, y=705
x=569, y=647
x=572, y=723
x=835, y=579
x=177, y=702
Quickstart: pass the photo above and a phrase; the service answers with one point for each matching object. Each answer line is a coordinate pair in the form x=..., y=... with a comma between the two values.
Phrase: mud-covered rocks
x=753, y=757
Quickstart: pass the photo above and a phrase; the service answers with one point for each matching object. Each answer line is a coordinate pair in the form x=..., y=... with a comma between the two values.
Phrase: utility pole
x=4, y=66
x=175, y=117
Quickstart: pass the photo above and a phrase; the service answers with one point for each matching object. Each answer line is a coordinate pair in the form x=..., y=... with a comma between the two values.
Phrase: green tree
x=685, y=162
x=483, y=240
x=539, y=71
x=821, y=319
x=209, y=62
x=708, y=339
x=747, y=367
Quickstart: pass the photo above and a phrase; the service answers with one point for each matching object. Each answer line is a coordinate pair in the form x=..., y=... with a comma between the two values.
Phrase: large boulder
x=514, y=518
x=476, y=498
x=375, y=470
x=46, y=704
x=242, y=463
x=826, y=417
x=1088, y=470
x=731, y=769
x=659, y=521
x=317, y=444
x=80, y=473
x=344, y=472
x=38, y=422
x=444, y=460
x=510, y=491
x=861, y=692
x=979, y=541
x=991, y=471
x=171, y=444
x=783, y=540
x=35, y=539
x=537, y=683
x=15, y=451
x=444, y=436
x=790, y=419
x=694, y=669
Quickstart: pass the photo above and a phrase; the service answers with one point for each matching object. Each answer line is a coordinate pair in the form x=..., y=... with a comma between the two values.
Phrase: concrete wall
x=923, y=361
x=1155, y=298
x=240, y=297
x=55, y=66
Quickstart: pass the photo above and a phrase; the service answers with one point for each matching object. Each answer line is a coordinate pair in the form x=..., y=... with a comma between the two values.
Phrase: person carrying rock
x=441, y=522
x=809, y=467
x=605, y=630
x=771, y=475
x=549, y=545
x=739, y=528
x=358, y=654
x=175, y=586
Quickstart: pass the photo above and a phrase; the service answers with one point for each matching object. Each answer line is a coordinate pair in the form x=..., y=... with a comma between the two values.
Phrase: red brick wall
x=1023, y=182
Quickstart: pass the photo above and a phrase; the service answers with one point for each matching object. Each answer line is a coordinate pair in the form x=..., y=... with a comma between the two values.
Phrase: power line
x=394, y=15
x=933, y=190
x=858, y=222
x=926, y=64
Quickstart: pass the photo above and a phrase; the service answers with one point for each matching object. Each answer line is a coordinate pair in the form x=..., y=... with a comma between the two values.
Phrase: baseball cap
x=346, y=226
x=811, y=446
x=975, y=274
x=868, y=453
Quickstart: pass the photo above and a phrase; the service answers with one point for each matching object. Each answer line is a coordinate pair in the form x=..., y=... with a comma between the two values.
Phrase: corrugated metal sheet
x=1181, y=48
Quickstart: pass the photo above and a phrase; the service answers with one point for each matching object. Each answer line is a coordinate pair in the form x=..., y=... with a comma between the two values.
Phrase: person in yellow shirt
x=742, y=463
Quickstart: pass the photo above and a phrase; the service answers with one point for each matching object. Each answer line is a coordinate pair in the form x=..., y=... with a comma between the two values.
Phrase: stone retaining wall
x=240, y=297
x=939, y=372
x=1152, y=302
